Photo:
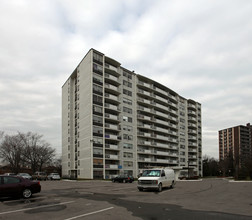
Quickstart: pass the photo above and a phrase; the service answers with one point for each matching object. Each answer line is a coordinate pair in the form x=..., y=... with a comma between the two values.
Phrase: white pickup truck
x=156, y=179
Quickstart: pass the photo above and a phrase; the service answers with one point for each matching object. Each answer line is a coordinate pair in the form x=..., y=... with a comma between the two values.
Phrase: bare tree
x=37, y=152
x=11, y=151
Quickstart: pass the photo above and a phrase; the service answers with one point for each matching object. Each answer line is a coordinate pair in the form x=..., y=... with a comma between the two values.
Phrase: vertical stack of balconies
x=157, y=126
x=112, y=117
x=194, y=136
x=98, y=122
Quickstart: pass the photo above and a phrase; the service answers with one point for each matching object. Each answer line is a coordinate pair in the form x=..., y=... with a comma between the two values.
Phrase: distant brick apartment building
x=236, y=142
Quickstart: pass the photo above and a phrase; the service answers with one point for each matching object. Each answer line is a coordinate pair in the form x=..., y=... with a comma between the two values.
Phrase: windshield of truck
x=151, y=173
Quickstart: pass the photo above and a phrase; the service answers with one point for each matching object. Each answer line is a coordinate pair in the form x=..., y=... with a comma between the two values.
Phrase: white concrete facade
x=115, y=121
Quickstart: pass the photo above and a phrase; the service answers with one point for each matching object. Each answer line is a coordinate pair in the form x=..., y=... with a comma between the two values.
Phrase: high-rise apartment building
x=115, y=121
x=236, y=143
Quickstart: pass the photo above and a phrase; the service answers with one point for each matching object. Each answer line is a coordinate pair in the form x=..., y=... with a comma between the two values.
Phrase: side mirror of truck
x=162, y=174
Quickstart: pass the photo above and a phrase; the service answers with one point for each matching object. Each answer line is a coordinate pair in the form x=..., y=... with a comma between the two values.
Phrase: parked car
x=25, y=175
x=39, y=176
x=123, y=179
x=10, y=174
x=53, y=176
x=12, y=186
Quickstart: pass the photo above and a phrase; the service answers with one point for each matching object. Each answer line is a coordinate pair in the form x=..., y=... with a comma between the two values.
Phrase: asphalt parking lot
x=206, y=199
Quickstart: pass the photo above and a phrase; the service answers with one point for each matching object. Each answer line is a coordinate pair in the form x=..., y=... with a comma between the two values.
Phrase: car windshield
x=151, y=173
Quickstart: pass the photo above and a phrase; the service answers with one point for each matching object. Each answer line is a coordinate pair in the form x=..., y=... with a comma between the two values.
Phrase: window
x=127, y=128
x=182, y=120
x=182, y=113
x=97, y=99
x=127, y=110
x=127, y=119
x=127, y=155
x=97, y=89
x=97, y=68
x=97, y=131
x=97, y=109
x=97, y=120
x=127, y=101
x=127, y=137
x=126, y=83
x=8, y=180
x=128, y=164
x=97, y=152
x=127, y=146
x=97, y=58
x=128, y=75
x=127, y=92
x=97, y=79
x=97, y=140
x=182, y=140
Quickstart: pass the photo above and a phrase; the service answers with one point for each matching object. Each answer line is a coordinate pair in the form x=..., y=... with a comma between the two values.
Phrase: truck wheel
x=124, y=181
x=160, y=187
x=172, y=185
x=140, y=189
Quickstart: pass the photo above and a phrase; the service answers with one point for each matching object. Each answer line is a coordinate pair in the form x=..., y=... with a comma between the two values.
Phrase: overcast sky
x=200, y=49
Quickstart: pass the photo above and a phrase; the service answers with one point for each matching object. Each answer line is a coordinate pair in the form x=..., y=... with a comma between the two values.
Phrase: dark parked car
x=13, y=186
x=123, y=179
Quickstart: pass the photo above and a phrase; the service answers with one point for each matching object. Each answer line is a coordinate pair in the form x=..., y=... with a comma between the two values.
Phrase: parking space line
x=90, y=213
x=38, y=207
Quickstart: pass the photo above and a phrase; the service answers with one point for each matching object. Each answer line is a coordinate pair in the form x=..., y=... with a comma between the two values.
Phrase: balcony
x=162, y=161
x=172, y=104
x=160, y=121
x=192, y=156
x=142, y=142
x=161, y=114
x=162, y=153
x=160, y=98
x=110, y=106
x=161, y=137
x=161, y=129
x=146, y=101
x=191, y=105
x=110, y=67
x=110, y=96
x=110, y=116
x=192, y=144
x=111, y=87
x=143, y=109
x=111, y=77
x=111, y=146
x=144, y=84
x=147, y=159
x=111, y=126
x=139, y=116
x=192, y=137
x=191, y=125
x=160, y=91
x=111, y=166
x=112, y=136
x=192, y=150
x=172, y=97
x=111, y=156
x=161, y=106
x=191, y=112
x=161, y=145
x=141, y=91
